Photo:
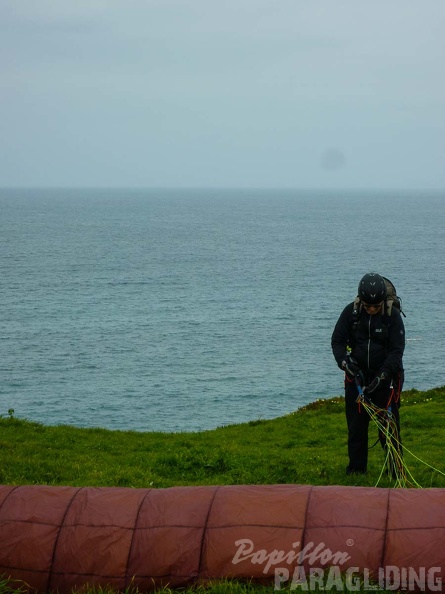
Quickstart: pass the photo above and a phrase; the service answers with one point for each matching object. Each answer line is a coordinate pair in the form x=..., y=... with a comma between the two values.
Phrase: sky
x=340, y=94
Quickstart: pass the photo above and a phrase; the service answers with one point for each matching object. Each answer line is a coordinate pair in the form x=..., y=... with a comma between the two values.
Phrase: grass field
x=305, y=447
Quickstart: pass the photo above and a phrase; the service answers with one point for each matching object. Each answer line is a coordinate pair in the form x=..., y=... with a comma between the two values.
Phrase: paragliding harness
x=392, y=300
x=384, y=418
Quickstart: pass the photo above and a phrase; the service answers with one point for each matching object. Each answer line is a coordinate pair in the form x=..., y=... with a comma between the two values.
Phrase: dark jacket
x=377, y=342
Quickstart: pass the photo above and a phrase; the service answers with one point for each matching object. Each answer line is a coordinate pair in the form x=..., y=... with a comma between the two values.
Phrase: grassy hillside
x=306, y=447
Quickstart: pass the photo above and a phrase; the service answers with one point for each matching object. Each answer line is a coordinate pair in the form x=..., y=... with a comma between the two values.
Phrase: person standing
x=368, y=343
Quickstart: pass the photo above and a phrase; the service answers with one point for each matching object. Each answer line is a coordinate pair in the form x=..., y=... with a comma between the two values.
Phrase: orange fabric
x=60, y=538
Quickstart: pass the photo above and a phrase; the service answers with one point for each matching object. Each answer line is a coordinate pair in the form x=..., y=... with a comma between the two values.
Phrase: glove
x=375, y=384
x=349, y=364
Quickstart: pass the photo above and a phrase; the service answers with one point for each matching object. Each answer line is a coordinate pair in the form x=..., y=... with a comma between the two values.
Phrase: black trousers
x=358, y=420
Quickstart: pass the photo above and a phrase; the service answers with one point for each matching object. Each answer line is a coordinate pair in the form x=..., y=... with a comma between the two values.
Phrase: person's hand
x=349, y=364
x=375, y=384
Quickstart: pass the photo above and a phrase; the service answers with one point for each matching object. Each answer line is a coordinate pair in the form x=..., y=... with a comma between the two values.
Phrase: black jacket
x=377, y=342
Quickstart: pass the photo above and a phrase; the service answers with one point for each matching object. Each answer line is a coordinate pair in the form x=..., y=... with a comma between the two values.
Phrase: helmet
x=372, y=288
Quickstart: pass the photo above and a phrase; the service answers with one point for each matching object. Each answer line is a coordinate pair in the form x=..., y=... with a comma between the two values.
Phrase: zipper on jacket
x=369, y=342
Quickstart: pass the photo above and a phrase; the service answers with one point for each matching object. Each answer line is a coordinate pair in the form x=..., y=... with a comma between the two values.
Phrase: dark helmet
x=372, y=288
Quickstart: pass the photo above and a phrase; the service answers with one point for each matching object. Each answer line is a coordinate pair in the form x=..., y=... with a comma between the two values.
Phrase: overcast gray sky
x=238, y=93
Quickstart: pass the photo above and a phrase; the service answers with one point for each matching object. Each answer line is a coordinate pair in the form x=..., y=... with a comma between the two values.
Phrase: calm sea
x=184, y=310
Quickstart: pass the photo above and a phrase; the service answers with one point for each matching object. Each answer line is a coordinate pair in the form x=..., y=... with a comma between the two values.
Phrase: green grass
x=305, y=447
x=217, y=587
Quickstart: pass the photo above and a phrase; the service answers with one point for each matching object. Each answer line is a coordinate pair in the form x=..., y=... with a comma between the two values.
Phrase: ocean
x=185, y=310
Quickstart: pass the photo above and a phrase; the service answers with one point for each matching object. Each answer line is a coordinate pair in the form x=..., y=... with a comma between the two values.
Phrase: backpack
x=392, y=299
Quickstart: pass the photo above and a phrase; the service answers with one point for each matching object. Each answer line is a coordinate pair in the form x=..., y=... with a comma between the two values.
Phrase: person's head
x=372, y=292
